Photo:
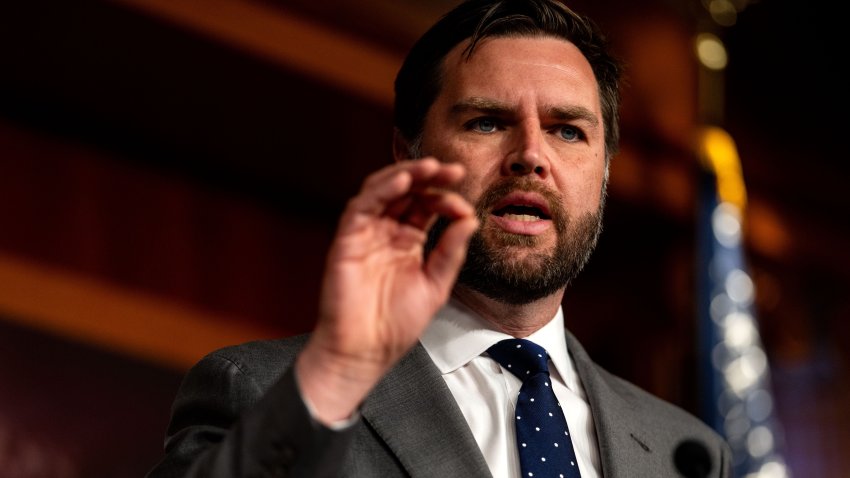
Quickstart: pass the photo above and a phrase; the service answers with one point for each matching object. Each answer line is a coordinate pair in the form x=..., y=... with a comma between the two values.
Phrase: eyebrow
x=498, y=108
x=484, y=105
x=573, y=113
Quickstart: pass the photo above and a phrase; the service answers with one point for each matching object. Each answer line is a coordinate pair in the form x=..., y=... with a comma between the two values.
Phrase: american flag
x=735, y=374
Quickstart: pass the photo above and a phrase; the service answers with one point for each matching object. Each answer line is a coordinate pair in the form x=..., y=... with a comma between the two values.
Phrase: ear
x=401, y=147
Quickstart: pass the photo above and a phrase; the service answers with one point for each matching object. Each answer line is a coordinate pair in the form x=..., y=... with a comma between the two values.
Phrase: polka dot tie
x=543, y=439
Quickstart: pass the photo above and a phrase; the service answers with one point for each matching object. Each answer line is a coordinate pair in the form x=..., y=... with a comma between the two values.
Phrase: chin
x=519, y=246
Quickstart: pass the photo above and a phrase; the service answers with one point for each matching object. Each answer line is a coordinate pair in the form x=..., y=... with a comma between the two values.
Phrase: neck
x=515, y=320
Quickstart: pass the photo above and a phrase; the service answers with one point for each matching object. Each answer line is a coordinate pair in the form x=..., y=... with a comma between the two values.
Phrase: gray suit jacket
x=238, y=413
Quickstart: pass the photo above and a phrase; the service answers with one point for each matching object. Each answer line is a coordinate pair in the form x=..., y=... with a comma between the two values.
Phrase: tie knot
x=522, y=357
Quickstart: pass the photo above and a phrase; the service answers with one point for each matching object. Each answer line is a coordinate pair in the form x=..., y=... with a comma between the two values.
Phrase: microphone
x=692, y=459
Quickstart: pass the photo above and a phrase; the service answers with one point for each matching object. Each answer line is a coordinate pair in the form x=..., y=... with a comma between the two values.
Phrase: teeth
x=521, y=217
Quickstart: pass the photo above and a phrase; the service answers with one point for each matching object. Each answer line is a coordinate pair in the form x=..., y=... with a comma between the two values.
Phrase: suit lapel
x=415, y=414
x=624, y=448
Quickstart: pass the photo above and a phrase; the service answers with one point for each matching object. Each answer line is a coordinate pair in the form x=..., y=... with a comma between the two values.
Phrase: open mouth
x=521, y=212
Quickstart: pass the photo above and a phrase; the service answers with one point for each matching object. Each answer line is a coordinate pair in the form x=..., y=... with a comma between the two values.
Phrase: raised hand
x=379, y=292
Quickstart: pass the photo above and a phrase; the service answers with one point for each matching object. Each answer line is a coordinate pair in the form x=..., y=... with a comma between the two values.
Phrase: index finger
x=387, y=186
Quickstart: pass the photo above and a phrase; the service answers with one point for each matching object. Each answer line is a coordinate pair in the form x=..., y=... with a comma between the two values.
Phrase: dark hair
x=419, y=81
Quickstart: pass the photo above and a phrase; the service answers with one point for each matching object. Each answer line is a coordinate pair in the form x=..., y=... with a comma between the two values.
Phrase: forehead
x=551, y=69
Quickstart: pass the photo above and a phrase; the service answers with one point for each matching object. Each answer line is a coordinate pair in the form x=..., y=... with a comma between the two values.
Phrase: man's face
x=523, y=115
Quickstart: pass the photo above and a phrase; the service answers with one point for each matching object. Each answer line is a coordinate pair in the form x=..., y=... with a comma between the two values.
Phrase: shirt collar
x=457, y=335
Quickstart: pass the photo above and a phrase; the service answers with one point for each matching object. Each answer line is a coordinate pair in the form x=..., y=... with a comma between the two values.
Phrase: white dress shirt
x=487, y=394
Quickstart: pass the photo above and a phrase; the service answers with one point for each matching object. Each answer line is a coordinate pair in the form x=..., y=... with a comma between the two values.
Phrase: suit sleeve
x=225, y=425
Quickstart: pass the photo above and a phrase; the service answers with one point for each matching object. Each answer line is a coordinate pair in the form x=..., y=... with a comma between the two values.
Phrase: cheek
x=481, y=166
x=582, y=186
x=472, y=187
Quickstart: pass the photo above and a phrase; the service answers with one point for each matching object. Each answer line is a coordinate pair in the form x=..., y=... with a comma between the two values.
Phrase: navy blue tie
x=543, y=439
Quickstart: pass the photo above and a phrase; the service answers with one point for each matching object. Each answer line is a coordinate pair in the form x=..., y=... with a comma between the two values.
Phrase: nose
x=527, y=152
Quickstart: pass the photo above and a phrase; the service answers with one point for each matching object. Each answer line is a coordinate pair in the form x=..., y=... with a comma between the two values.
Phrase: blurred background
x=171, y=172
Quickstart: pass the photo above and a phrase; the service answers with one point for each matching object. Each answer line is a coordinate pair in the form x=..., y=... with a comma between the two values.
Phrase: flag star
x=532, y=399
x=573, y=463
x=556, y=444
x=537, y=428
x=518, y=417
x=542, y=458
x=524, y=445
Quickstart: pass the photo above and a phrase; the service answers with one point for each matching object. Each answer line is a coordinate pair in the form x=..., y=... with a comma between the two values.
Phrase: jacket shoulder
x=264, y=361
x=665, y=418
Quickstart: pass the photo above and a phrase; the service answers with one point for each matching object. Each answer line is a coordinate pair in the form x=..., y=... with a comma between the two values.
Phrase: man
x=510, y=106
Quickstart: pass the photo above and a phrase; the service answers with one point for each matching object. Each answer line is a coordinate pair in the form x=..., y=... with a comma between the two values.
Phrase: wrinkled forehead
x=514, y=65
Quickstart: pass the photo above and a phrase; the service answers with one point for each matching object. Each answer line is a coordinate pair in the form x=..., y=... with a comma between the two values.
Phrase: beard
x=518, y=279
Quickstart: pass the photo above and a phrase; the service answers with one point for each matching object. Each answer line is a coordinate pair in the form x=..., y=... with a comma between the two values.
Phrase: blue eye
x=484, y=125
x=569, y=133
